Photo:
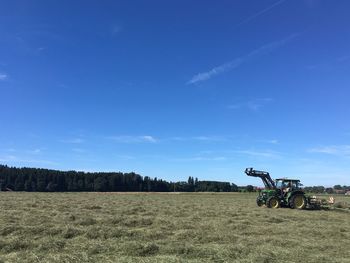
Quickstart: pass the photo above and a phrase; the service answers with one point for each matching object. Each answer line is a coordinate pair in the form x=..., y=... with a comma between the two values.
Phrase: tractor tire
x=259, y=202
x=298, y=202
x=273, y=202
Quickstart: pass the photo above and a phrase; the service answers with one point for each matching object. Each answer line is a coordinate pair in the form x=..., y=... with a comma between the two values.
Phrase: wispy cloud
x=233, y=64
x=209, y=138
x=133, y=139
x=338, y=150
x=73, y=141
x=3, y=76
x=78, y=150
x=9, y=159
x=269, y=141
x=35, y=151
x=328, y=65
x=40, y=49
x=273, y=141
x=264, y=153
x=259, y=13
x=10, y=150
x=126, y=157
x=253, y=105
x=200, y=158
x=256, y=104
x=200, y=138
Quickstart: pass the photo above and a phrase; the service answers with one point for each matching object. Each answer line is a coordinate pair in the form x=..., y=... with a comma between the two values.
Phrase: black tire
x=259, y=202
x=273, y=202
x=298, y=202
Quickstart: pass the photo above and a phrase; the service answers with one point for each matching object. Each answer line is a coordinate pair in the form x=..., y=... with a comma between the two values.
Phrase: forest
x=46, y=180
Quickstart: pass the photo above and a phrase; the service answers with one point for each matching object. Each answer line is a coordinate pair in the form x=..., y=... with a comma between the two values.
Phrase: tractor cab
x=287, y=185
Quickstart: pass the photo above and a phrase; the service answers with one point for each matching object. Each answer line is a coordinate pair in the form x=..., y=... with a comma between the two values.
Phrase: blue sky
x=172, y=89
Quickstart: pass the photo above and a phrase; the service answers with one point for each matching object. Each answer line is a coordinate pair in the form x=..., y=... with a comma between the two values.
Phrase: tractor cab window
x=295, y=184
x=280, y=184
x=291, y=184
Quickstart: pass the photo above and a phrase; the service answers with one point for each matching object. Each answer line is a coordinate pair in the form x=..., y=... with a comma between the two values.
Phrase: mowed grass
x=151, y=227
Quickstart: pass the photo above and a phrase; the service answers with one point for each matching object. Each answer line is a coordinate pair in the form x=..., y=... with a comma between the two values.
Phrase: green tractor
x=280, y=192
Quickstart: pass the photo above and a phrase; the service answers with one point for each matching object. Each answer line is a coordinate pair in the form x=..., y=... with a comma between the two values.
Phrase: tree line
x=337, y=189
x=46, y=180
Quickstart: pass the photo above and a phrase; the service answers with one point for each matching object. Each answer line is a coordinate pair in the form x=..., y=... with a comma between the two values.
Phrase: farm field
x=165, y=227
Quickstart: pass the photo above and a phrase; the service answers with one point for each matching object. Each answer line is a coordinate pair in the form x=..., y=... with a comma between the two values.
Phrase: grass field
x=142, y=227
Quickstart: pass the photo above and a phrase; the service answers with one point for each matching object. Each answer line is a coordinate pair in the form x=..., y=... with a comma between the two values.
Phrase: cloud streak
x=133, y=139
x=259, y=13
x=328, y=65
x=73, y=141
x=200, y=158
x=237, y=62
x=3, y=76
x=199, y=139
x=253, y=105
x=337, y=150
x=264, y=154
x=18, y=160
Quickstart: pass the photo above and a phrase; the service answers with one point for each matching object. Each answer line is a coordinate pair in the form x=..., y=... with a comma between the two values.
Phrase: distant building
x=347, y=193
x=339, y=191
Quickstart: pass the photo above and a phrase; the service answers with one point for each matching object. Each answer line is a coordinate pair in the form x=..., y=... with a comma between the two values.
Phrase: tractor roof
x=287, y=179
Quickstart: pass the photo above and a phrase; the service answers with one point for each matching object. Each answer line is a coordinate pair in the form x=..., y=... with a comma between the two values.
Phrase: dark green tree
x=250, y=188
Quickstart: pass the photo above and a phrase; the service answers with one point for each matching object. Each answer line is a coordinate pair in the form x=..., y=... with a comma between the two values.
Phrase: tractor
x=280, y=192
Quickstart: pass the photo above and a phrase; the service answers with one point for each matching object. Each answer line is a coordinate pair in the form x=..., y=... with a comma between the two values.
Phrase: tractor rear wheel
x=298, y=202
x=273, y=202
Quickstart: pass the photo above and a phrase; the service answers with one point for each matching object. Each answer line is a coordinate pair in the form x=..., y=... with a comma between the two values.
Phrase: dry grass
x=141, y=227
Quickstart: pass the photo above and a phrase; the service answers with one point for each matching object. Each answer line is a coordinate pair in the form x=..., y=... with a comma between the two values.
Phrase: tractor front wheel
x=259, y=202
x=298, y=202
x=273, y=202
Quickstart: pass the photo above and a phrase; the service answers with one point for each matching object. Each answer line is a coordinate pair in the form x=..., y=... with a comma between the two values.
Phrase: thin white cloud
x=209, y=138
x=253, y=105
x=273, y=141
x=200, y=158
x=233, y=64
x=259, y=13
x=73, y=141
x=7, y=157
x=126, y=157
x=199, y=138
x=3, y=76
x=10, y=150
x=133, y=139
x=148, y=138
x=265, y=154
x=22, y=161
x=269, y=141
x=217, y=70
x=338, y=150
x=35, y=151
x=328, y=65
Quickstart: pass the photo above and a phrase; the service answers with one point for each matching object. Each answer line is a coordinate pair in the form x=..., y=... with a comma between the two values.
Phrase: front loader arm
x=265, y=177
